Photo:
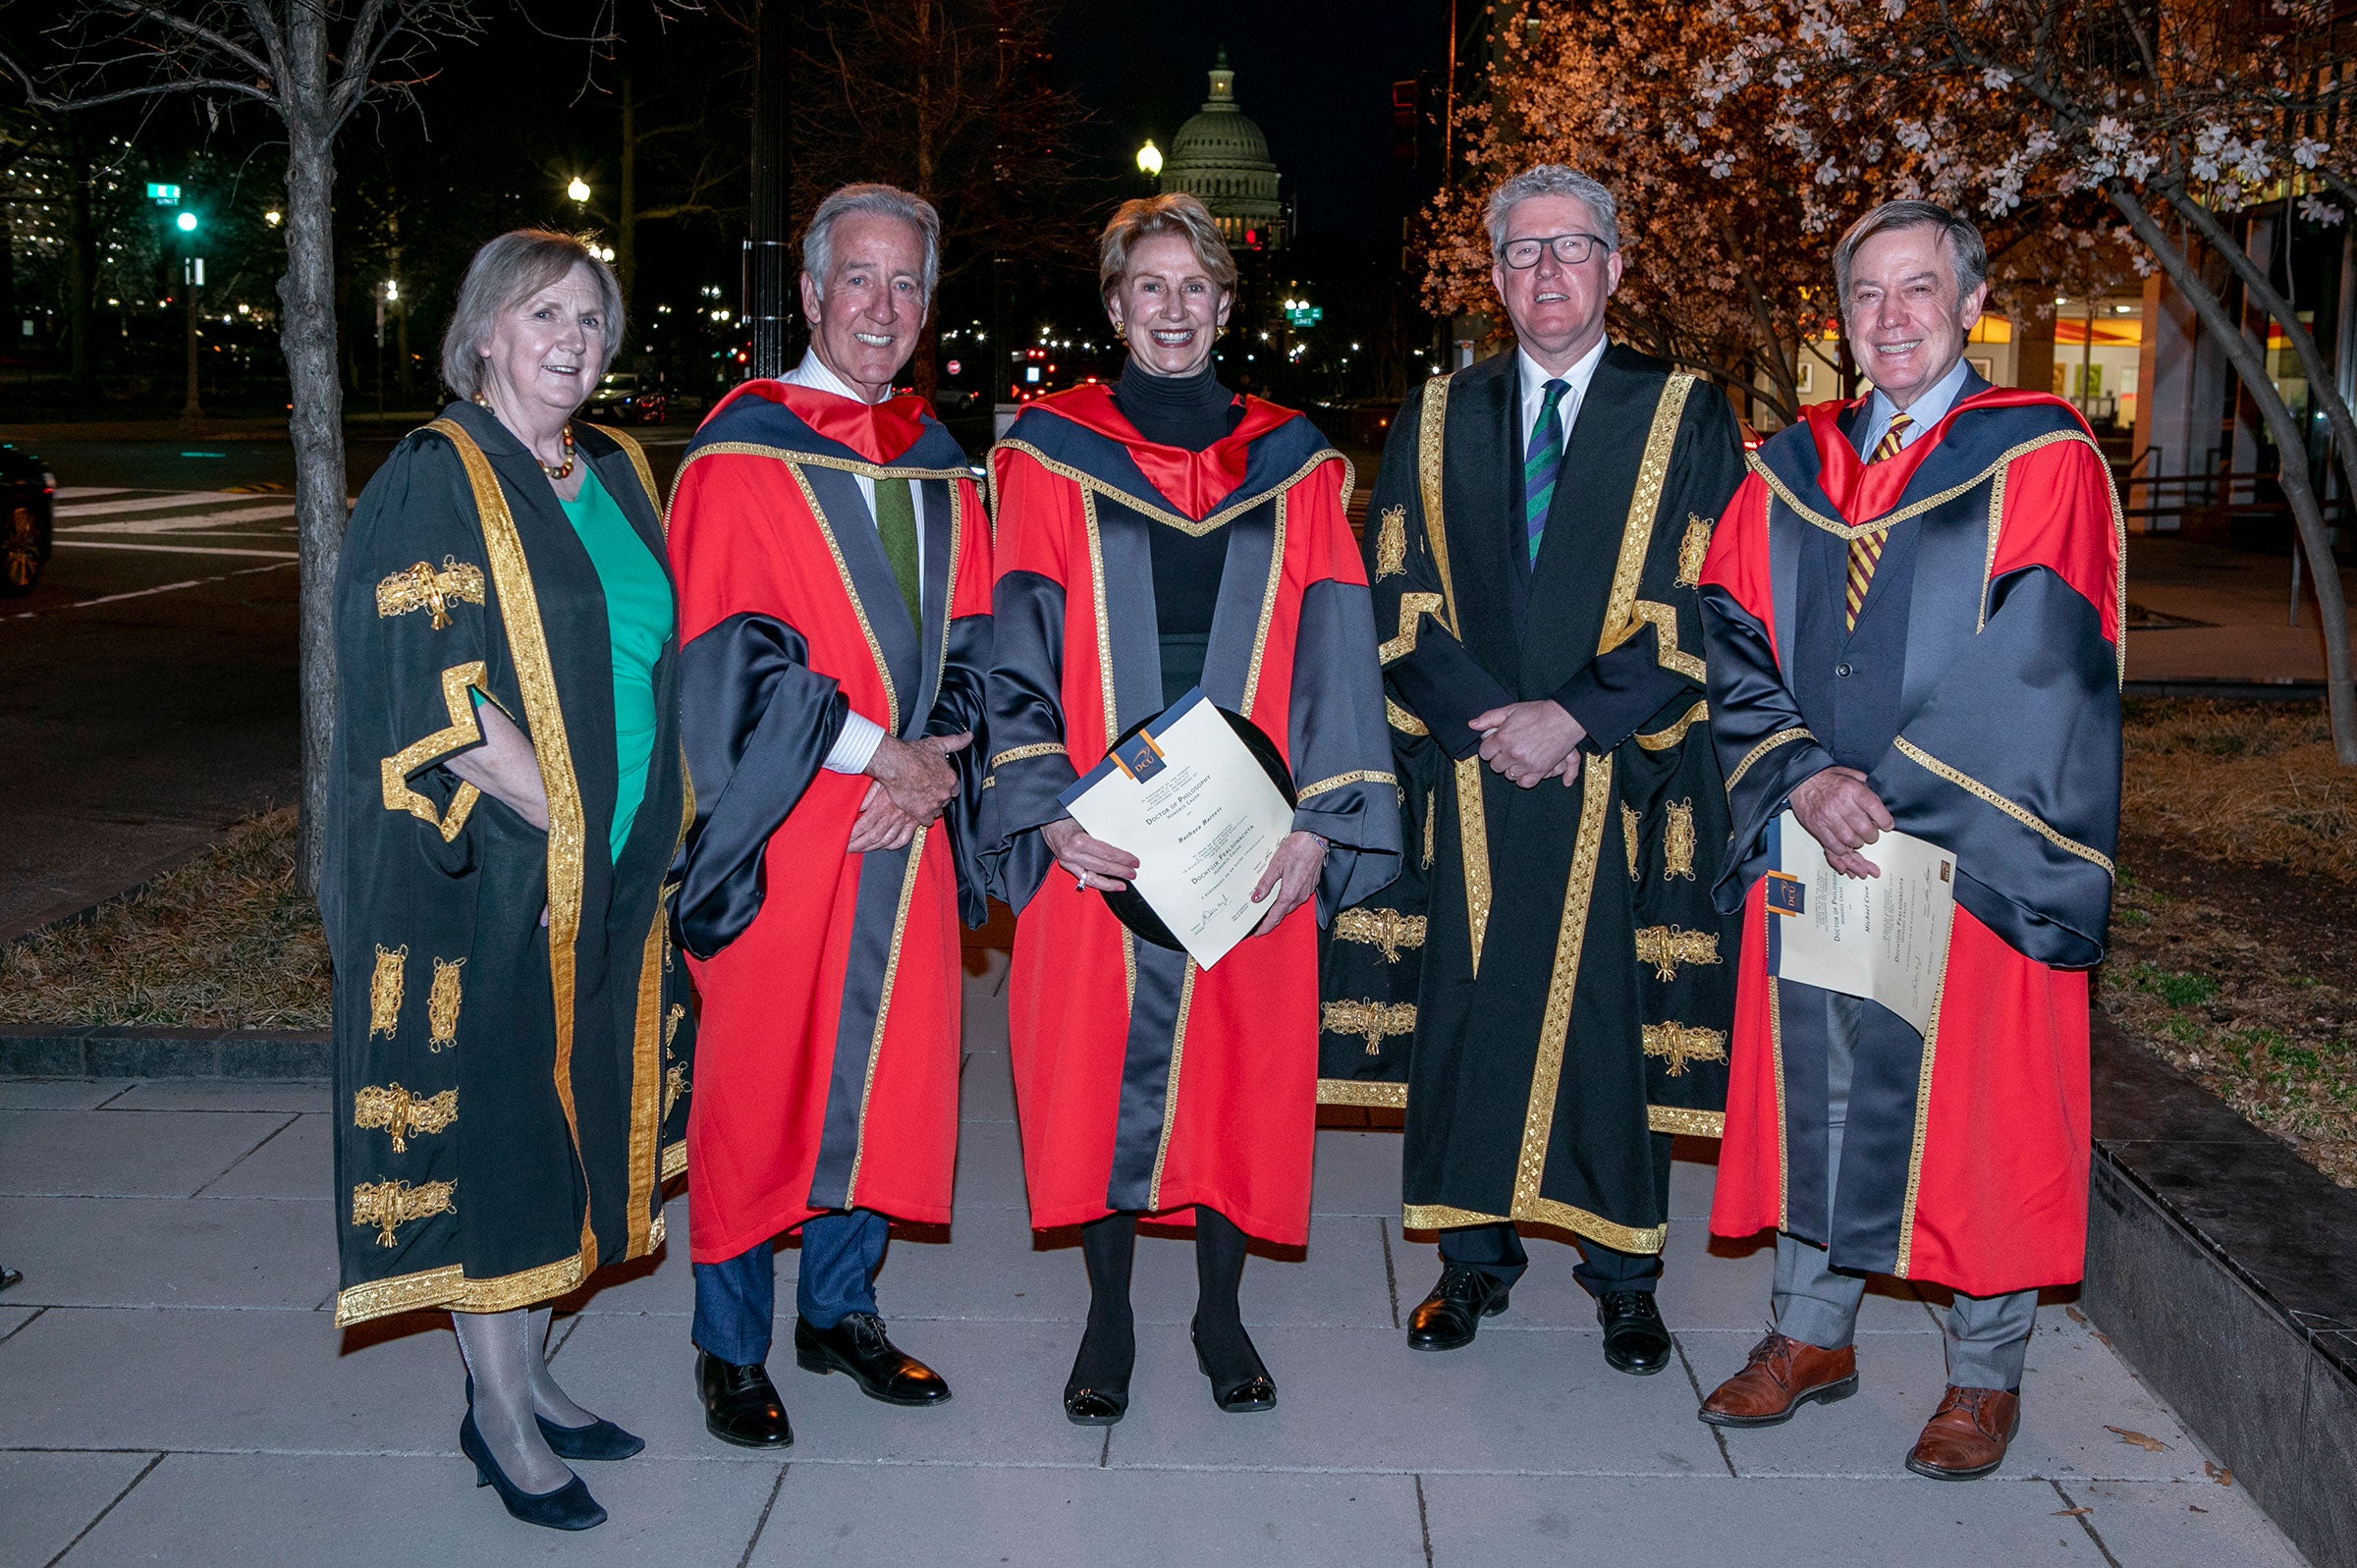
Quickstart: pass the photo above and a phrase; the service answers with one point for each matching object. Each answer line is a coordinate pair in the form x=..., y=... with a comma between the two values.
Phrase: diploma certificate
x=1202, y=816
x=1883, y=937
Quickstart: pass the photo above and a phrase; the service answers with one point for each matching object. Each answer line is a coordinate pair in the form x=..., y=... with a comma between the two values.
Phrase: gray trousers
x=1988, y=1336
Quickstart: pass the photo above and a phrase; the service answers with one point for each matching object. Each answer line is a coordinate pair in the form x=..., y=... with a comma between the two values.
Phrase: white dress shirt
x=856, y=744
x=1927, y=411
x=1534, y=390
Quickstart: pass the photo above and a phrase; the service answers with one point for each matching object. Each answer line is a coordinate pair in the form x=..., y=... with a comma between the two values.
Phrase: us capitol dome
x=1221, y=157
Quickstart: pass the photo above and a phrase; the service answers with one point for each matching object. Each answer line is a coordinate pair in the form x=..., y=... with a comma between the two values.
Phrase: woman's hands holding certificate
x=1292, y=875
x=1092, y=861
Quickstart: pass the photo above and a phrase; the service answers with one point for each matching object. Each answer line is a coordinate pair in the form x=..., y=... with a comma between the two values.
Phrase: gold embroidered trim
x=1664, y=740
x=1677, y=842
x=1555, y=1024
x=1473, y=848
x=442, y=1004
x=671, y=1021
x=1431, y=816
x=1630, y=826
x=650, y=1098
x=384, y=991
x=1636, y=532
x=388, y=1205
x=544, y=720
x=395, y=771
x=1923, y=1122
x=851, y=592
x=1359, y=1092
x=1170, y=1093
x=1784, y=1146
x=1268, y=603
x=1412, y=607
x=1096, y=584
x=1387, y=928
x=1407, y=723
x=1563, y=1216
x=675, y=1084
x=1846, y=531
x=1342, y=781
x=1441, y=1216
x=1693, y=1124
x=1680, y=1044
x=1693, y=550
x=1667, y=947
x=1217, y=519
x=422, y=587
x=1667, y=652
x=1781, y=738
x=401, y=1112
x=1369, y=1019
x=674, y=1159
x=450, y=1287
x=1038, y=748
x=1391, y=544
x=1432, y=446
x=875, y=1042
x=2027, y=819
x=787, y=455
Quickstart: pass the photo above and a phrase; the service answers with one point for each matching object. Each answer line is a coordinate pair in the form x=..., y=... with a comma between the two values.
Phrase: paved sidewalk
x=172, y=1389
x=2240, y=609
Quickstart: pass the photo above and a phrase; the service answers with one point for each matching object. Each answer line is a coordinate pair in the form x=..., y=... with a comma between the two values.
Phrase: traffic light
x=185, y=222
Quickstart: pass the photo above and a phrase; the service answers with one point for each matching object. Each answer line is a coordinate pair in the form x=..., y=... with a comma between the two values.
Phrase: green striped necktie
x=895, y=527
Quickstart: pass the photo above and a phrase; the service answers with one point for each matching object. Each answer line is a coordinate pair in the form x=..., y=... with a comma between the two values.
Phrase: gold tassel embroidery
x=401, y=1112
x=1371, y=1019
x=1680, y=1044
x=1429, y=813
x=442, y=1004
x=422, y=587
x=1667, y=947
x=384, y=991
x=1387, y=928
x=671, y=1024
x=675, y=1084
x=387, y=1204
x=1677, y=843
x=1692, y=551
x=1391, y=544
x=1629, y=828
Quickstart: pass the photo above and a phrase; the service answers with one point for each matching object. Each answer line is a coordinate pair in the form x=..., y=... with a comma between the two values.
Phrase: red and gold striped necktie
x=1866, y=551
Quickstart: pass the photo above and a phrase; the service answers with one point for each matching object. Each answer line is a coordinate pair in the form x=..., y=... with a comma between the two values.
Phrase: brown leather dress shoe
x=1967, y=1434
x=1781, y=1376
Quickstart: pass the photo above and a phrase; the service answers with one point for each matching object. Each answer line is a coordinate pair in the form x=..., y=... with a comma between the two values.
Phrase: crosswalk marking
x=80, y=492
x=207, y=520
x=174, y=549
x=162, y=503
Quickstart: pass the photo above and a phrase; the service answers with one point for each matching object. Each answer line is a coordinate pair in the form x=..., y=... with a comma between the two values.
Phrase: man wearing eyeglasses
x=1535, y=532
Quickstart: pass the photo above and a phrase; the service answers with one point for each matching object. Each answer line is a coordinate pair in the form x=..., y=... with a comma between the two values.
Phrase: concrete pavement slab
x=1339, y=1281
x=364, y=1511
x=858, y=1516
x=298, y=1162
x=59, y=1094
x=990, y=1166
x=988, y=1269
x=1690, y=1184
x=666, y=1284
x=168, y=1252
x=13, y=1318
x=2182, y=1523
x=1359, y=1399
x=48, y=1500
x=1006, y=1379
x=982, y=995
x=986, y=1087
x=186, y=1379
x=1358, y=1173
x=1479, y=1520
x=215, y=1094
x=85, y=1153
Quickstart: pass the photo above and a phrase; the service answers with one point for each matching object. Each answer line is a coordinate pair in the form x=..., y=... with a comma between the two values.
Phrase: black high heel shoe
x=1246, y=1395
x=600, y=1439
x=569, y=1507
x=1100, y=1400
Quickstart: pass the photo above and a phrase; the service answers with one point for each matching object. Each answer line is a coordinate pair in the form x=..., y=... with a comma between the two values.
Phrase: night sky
x=1316, y=74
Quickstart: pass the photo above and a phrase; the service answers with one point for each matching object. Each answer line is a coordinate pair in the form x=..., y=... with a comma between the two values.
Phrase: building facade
x=1221, y=157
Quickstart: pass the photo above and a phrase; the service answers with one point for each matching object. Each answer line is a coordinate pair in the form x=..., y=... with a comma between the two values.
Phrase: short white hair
x=503, y=274
x=884, y=202
x=1552, y=179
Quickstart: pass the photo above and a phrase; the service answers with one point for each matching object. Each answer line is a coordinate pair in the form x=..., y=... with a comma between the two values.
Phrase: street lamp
x=1149, y=160
x=185, y=222
x=578, y=191
x=273, y=218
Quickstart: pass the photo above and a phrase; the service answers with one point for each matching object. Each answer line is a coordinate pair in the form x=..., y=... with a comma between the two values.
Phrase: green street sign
x=169, y=195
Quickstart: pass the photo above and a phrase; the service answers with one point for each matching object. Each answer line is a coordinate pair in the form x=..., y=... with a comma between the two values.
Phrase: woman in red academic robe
x=1155, y=536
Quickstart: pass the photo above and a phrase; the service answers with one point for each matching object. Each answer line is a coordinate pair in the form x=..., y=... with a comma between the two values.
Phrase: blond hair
x=1150, y=217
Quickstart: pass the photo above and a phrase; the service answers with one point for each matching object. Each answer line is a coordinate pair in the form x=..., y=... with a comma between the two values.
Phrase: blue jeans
x=735, y=1301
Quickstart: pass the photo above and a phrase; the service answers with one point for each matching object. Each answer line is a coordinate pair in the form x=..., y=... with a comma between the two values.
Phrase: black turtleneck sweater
x=1190, y=413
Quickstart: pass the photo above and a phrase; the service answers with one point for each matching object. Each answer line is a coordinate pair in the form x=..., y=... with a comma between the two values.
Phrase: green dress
x=639, y=613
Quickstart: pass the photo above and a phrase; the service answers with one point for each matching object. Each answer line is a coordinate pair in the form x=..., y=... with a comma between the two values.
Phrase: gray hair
x=1552, y=179
x=502, y=275
x=1967, y=254
x=883, y=201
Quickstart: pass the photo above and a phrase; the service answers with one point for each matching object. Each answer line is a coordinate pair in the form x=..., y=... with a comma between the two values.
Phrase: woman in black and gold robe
x=507, y=790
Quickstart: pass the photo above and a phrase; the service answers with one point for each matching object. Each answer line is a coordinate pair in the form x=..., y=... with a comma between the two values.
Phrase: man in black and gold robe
x=1536, y=533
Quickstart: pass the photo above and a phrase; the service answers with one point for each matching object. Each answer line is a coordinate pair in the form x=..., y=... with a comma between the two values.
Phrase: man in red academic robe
x=1912, y=615
x=832, y=563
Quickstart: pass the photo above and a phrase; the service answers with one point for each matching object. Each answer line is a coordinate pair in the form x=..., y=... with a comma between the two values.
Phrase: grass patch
x=226, y=941
x=2255, y=784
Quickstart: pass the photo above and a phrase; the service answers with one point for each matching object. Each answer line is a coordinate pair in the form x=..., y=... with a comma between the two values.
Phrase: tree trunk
x=80, y=246
x=2341, y=696
x=308, y=334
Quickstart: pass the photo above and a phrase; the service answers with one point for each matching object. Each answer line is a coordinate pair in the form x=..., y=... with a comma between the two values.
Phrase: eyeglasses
x=1569, y=249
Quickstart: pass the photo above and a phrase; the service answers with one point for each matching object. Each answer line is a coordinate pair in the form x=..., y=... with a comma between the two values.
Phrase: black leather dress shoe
x=1445, y=1319
x=741, y=1404
x=858, y=1347
x=1635, y=1339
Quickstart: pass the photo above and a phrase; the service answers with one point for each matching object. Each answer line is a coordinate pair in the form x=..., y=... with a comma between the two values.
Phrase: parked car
x=622, y=397
x=28, y=495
